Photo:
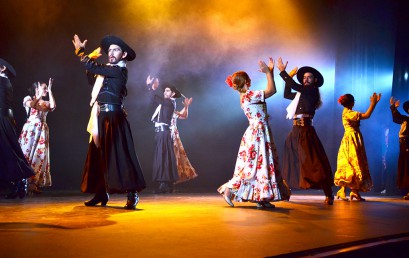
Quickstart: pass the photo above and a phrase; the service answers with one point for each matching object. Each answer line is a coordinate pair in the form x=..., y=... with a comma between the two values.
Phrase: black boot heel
x=132, y=201
x=98, y=198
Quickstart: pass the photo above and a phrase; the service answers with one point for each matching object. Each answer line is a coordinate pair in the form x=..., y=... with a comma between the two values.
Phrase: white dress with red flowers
x=34, y=142
x=185, y=169
x=256, y=174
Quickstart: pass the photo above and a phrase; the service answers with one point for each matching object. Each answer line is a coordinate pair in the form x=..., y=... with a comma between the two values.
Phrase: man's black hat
x=109, y=40
x=308, y=69
x=406, y=106
x=9, y=68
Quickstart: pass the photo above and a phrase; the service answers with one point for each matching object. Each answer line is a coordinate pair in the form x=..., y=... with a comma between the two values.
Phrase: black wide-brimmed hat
x=406, y=106
x=8, y=66
x=308, y=69
x=113, y=40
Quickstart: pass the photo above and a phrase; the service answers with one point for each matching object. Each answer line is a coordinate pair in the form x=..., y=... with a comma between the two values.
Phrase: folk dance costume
x=256, y=177
x=111, y=165
x=14, y=167
x=34, y=141
x=164, y=169
x=403, y=160
x=305, y=163
x=185, y=169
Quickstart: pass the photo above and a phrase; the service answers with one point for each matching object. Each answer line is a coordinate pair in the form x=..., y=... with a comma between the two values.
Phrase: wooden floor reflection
x=190, y=225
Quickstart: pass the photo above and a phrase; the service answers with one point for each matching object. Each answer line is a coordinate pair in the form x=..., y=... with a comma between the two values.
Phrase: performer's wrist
x=80, y=51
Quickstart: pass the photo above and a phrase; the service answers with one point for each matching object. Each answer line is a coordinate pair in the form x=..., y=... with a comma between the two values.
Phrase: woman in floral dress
x=256, y=176
x=185, y=169
x=34, y=138
x=352, y=164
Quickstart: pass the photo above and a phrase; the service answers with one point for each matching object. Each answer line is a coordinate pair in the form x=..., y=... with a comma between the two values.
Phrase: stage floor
x=190, y=225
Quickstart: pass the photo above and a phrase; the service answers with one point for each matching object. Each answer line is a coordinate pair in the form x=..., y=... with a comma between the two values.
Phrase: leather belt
x=304, y=121
x=161, y=128
x=110, y=107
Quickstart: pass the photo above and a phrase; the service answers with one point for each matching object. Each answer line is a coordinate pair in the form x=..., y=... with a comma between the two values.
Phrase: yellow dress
x=352, y=163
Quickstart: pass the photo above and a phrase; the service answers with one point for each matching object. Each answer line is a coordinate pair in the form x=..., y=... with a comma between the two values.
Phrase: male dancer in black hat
x=111, y=165
x=403, y=160
x=164, y=170
x=14, y=167
x=306, y=164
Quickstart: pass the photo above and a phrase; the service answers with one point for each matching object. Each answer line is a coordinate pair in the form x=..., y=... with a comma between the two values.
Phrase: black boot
x=18, y=188
x=132, y=201
x=329, y=196
x=22, y=188
x=98, y=198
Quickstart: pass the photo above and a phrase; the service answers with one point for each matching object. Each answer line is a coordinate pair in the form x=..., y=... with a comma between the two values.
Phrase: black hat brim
x=308, y=69
x=109, y=40
x=9, y=67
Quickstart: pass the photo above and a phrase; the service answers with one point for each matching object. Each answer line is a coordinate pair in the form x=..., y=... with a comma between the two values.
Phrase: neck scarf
x=293, y=106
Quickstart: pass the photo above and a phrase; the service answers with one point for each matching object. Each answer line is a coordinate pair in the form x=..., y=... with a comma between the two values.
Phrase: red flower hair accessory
x=229, y=81
x=340, y=99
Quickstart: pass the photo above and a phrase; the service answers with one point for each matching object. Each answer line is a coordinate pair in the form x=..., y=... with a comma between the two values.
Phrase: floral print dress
x=256, y=175
x=352, y=163
x=34, y=141
x=185, y=169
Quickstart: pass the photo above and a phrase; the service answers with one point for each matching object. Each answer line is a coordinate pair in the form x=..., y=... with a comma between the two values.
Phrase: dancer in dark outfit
x=305, y=163
x=112, y=165
x=14, y=167
x=164, y=171
x=403, y=160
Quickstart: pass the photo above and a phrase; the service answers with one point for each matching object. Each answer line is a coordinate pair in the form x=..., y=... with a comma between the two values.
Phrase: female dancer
x=34, y=138
x=256, y=176
x=352, y=164
x=185, y=169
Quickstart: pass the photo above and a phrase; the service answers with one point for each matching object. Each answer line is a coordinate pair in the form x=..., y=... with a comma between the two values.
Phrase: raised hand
x=375, y=97
x=187, y=102
x=77, y=42
x=40, y=91
x=271, y=64
x=394, y=102
x=280, y=65
x=263, y=67
x=50, y=83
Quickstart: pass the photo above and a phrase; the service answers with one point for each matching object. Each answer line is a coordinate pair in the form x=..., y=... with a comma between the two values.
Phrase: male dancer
x=164, y=173
x=14, y=167
x=111, y=165
x=306, y=164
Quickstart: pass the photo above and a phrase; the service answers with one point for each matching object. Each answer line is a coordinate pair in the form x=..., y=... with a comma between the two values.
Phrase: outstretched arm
x=374, y=99
x=268, y=70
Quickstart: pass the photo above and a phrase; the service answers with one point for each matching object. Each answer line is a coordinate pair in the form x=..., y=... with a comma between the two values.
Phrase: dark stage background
x=360, y=46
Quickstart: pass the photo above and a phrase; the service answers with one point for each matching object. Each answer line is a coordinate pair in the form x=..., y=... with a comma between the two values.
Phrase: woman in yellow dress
x=352, y=164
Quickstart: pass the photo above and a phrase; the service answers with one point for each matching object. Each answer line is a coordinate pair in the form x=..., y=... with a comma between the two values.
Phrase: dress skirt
x=352, y=163
x=13, y=164
x=305, y=163
x=185, y=169
x=114, y=166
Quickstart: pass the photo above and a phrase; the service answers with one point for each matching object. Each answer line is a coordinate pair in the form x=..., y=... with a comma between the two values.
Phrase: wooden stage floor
x=190, y=225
